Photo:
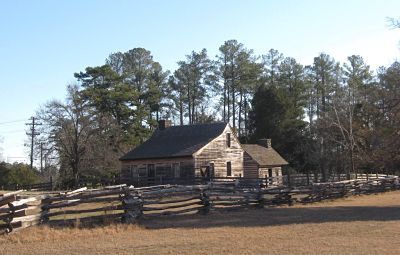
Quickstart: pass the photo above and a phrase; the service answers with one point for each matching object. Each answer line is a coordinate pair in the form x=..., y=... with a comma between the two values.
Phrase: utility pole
x=32, y=134
x=41, y=157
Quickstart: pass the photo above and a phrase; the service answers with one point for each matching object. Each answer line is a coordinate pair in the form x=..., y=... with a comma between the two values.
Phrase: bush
x=17, y=173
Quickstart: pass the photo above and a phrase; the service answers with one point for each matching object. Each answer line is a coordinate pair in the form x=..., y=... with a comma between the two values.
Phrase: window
x=164, y=170
x=151, y=171
x=228, y=140
x=134, y=171
x=186, y=170
x=143, y=171
x=176, y=170
x=125, y=169
x=228, y=168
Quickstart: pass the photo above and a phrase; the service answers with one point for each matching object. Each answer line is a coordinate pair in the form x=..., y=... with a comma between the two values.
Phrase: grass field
x=355, y=225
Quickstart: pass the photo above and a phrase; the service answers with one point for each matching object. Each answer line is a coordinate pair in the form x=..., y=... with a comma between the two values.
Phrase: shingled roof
x=176, y=141
x=264, y=156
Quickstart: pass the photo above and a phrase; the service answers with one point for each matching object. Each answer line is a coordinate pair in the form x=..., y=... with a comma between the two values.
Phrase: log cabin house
x=261, y=160
x=208, y=150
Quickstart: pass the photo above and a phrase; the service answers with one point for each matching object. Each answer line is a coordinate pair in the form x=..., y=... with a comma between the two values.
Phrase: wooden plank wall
x=219, y=153
x=250, y=167
x=276, y=171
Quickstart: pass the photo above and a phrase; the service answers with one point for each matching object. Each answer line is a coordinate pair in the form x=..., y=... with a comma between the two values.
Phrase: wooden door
x=151, y=174
x=270, y=179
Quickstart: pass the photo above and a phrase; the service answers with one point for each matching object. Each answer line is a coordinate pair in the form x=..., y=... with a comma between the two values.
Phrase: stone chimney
x=265, y=142
x=163, y=124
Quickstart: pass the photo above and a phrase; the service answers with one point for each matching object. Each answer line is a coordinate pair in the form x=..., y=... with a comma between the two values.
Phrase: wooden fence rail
x=286, y=180
x=36, y=186
x=128, y=204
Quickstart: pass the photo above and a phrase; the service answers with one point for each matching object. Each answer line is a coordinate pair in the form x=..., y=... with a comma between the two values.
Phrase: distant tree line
x=15, y=174
x=327, y=117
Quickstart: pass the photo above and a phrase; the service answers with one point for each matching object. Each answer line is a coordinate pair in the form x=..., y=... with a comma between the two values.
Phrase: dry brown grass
x=356, y=225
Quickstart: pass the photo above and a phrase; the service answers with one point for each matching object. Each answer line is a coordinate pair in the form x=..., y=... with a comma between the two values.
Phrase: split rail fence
x=121, y=203
x=287, y=180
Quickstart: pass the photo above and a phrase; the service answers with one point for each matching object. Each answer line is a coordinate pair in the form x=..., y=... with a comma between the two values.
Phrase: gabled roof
x=264, y=156
x=176, y=141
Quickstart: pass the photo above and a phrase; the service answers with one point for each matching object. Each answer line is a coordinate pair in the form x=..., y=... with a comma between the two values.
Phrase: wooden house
x=210, y=150
x=186, y=151
x=261, y=160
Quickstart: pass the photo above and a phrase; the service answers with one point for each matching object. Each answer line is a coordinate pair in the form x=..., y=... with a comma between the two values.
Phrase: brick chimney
x=163, y=124
x=265, y=142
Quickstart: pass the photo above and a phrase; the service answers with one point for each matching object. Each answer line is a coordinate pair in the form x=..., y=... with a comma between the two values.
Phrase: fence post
x=51, y=182
x=205, y=201
x=9, y=218
x=342, y=189
x=132, y=205
x=44, y=210
x=396, y=183
x=260, y=199
x=288, y=177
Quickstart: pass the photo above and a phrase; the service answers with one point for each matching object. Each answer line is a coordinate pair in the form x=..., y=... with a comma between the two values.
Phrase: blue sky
x=42, y=43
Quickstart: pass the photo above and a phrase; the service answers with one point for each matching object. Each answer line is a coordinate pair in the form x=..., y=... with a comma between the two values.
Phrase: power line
x=11, y=131
x=12, y=121
x=9, y=158
x=32, y=134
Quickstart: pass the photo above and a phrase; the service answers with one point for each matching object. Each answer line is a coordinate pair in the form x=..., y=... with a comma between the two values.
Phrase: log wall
x=186, y=166
x=276, y=172
x=218, y=153
x=250, y=167
x=253, y=170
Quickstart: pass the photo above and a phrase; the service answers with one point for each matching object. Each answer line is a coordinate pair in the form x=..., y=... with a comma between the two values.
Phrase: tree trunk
x=352, y=167
x=225, y=85
x=224, y=112
x=189, y=105
x=322, y=160
x=240, y=113
x=76, y=180
x=228, y=103
x=245, y=117
x=193, y=112
x=233, y=107
x=181, y=112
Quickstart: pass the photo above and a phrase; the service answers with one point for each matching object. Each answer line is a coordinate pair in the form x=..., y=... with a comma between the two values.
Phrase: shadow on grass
x=276, y=216
x=250, y=217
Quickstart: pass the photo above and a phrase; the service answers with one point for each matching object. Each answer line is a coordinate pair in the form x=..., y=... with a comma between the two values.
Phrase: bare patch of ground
x=356, y=225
